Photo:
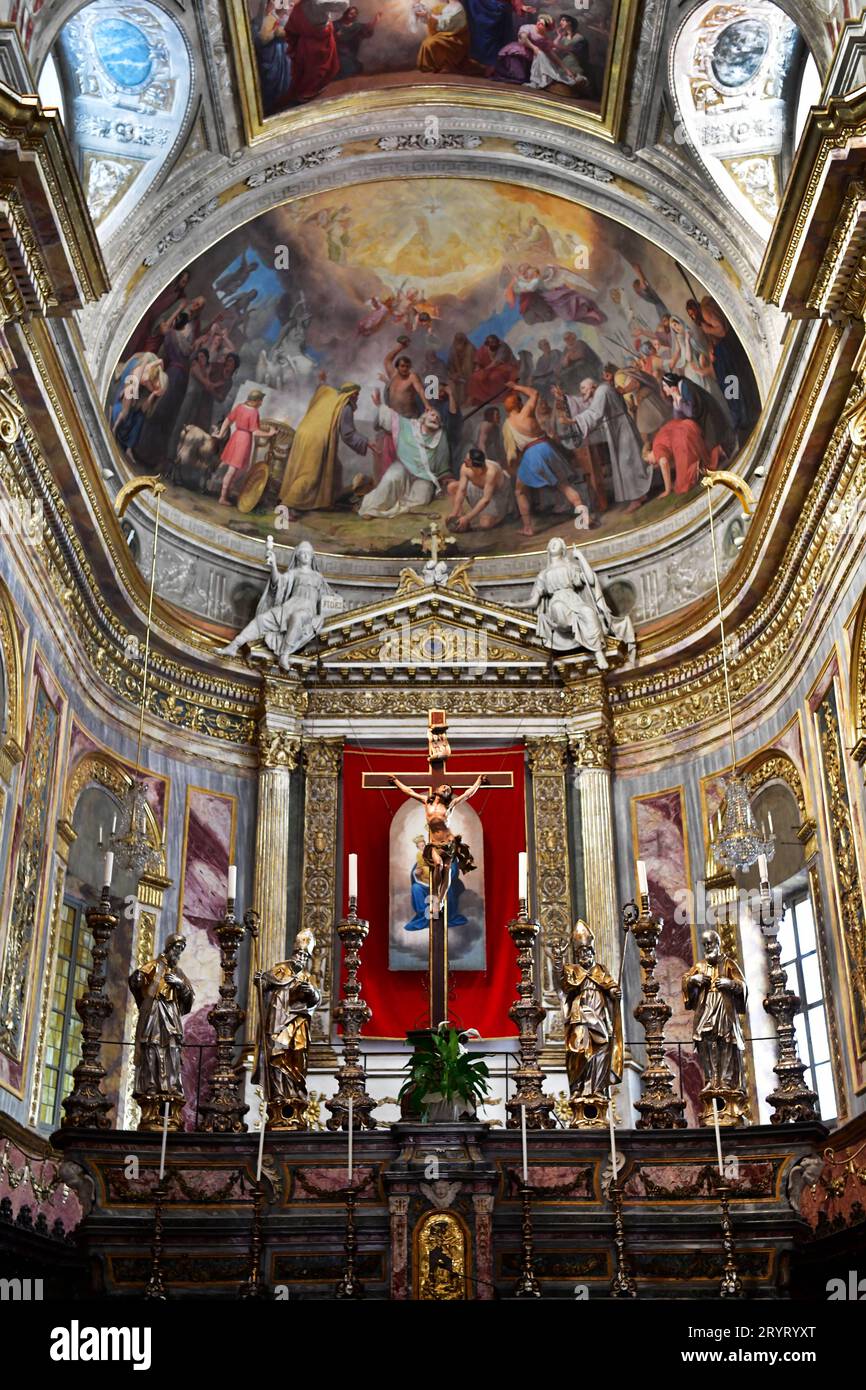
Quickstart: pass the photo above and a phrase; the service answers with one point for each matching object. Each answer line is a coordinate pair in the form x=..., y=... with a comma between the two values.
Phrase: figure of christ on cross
x=445, y=853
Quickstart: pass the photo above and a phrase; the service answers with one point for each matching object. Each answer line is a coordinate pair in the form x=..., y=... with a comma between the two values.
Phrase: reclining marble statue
x=571, y=609
x=289, y=1000
x=590, y=999
x=292, y=608
x=163, y=995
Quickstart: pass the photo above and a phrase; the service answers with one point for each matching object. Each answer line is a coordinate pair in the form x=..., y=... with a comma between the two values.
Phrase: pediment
x=427, y=628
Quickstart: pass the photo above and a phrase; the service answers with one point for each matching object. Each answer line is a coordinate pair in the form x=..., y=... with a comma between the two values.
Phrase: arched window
x=95, y=814
x=121, y=77
x=744, y=80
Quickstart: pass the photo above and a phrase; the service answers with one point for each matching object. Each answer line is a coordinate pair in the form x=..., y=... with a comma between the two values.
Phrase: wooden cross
x=438, y=752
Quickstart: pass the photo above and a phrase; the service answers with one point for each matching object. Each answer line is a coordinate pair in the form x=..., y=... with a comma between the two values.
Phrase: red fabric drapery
x=478, y=998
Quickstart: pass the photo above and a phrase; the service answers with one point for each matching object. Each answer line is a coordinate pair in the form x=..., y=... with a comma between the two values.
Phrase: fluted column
x=591, y=754
x=279, y=744
x=552, y=905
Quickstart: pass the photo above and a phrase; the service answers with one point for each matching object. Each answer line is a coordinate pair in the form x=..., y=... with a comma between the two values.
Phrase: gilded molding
x=840, y=284
x=857, y=694
x=12, y=751
x=660, y=704
x=548, y=758
x=292, y=124
x=323, y=761
x=186, y=697
x=100, y=769
x=772, y=766
x=284, y=696
x=844, y=862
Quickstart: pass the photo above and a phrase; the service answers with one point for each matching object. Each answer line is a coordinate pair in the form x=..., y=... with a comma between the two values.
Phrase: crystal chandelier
x=132, y=846
x=738, y=842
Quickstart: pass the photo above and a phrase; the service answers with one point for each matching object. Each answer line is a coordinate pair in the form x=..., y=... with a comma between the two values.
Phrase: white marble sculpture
x=292, y=608
x=571, y=610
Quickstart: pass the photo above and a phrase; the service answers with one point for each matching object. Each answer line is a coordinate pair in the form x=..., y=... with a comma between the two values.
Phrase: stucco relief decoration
x=125, y=79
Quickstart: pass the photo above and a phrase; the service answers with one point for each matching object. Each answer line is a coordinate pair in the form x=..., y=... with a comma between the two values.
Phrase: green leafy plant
x=441, y=1067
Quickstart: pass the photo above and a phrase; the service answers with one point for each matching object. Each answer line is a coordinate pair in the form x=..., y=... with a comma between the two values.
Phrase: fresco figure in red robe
x=312, y=46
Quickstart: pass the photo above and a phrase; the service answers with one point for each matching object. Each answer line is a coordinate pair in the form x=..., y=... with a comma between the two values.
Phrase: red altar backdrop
x=478, y=998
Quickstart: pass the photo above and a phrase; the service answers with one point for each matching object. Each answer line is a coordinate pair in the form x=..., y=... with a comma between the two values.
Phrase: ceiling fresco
x=311, y=50
x=323, y=372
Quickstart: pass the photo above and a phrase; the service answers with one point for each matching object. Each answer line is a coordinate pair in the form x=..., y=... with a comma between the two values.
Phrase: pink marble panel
x=209, y=821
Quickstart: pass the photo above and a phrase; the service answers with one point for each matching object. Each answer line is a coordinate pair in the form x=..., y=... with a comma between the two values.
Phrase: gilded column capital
x=279, y=748
x=547, y=755
x=592, y=747
x=323, y=756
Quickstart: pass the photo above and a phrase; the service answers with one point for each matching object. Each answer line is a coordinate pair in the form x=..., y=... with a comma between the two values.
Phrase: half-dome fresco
x=499, y=359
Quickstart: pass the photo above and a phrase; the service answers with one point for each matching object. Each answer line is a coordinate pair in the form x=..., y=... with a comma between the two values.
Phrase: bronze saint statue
x=716, y=991
x=593, y=1030
x=289, y=999
x=163, y=995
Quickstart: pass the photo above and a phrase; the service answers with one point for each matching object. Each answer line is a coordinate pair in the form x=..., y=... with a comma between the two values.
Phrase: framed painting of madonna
x=567, y=57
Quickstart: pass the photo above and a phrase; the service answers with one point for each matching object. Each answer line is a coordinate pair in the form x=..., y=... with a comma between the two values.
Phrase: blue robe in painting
x=490, y=28
x=421, y=901
x=275, y=70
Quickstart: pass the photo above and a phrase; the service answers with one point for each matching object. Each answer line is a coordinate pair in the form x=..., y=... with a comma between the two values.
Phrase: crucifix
x=445, y=853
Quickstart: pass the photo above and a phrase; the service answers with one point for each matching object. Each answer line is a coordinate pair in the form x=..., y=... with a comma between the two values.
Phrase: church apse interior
x=433, y=653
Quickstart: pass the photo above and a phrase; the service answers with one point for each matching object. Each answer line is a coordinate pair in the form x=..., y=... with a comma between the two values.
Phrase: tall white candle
x=522, y=876
x=353, y=876
x=99, y=841
x=351, y=1135
x=107, y=869
x=610, y=1110
x=263, y=1114
x=770, y=821
x=523, y=1144
x=718, y=1138
x=233, y=882
x=642, y=883
x=763, y=873
x=114, y=825
x=164, y=1141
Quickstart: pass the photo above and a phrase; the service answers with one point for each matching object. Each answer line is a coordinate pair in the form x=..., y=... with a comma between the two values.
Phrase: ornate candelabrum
x=224, y=1112
x=352, y=1013
x=155, y=1286
x=622, y=1284
x=792, y=1099
x=86, y=1107
x=350, y=1285
x=527, y=1013
x=527, y=1285
x=254, y=1286
x=658, y=1106
x=731, y=1285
